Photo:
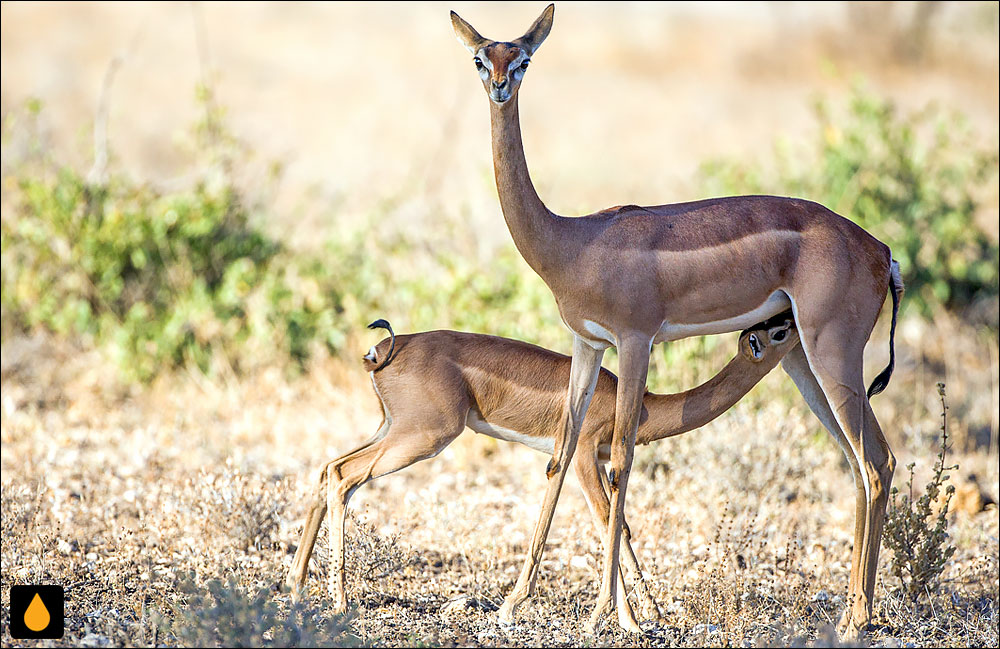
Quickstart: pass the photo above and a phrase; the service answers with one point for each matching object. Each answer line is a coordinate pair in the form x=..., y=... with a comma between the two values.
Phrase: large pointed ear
x=533, y=38
x=467, y=34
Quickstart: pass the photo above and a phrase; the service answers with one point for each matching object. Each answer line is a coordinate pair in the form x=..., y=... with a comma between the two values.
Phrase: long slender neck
x=536, y=231
x=673, y=414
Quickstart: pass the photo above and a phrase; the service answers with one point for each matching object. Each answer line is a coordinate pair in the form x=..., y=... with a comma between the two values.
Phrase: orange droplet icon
x=36, y=617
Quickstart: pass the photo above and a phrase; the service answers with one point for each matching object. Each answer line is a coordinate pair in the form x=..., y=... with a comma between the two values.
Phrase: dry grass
x=744, y=527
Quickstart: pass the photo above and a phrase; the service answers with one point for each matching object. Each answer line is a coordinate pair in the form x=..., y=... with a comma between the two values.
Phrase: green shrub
x=917, y=536
x=188, y=278
x=914, y=181
x=169, y=278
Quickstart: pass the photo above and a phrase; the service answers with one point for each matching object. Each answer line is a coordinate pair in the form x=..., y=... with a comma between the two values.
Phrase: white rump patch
x=897, y=277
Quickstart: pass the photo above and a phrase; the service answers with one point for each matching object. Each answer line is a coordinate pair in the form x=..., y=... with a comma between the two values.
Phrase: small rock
x=94, y=640
x=707, y=629
x=459, y=605
x=969, y=497
x=821, y=596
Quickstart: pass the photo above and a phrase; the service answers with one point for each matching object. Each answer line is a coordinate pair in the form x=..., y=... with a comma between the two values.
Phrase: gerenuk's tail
x=896, y=291
x=372, y=354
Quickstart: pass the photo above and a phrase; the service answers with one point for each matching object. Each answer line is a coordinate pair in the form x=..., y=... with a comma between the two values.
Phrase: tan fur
x=648, y=274
x=501, y=55
x=437, y=379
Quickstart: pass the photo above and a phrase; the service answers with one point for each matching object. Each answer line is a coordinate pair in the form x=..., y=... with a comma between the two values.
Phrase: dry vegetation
x=744, y=528
x=137, y=498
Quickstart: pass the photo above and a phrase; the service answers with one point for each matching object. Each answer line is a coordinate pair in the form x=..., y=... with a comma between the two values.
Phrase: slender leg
x=877, y=467
x=633, y=365
x=880, y=463
x=650, y=609
x=583, y=378
x=391, y=451
x=296, y=579
x=593, y=481
x=405, y=444
x=588, y=473
x=835, y=353
x=317, y=510
x=797, y=367
x=336, y=500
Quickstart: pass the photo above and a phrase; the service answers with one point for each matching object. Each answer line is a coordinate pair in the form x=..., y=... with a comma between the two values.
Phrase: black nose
x=500, y=85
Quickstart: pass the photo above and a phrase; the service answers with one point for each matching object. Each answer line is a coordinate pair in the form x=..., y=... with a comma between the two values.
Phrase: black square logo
x=36, y=612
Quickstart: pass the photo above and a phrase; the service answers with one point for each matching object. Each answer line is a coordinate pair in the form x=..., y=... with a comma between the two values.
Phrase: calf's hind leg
x=402, y=444
x=406, y=443
x=296, y=579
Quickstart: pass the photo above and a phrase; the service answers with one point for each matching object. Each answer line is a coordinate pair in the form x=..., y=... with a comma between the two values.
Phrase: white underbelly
x=772, y=306
x=483, y=427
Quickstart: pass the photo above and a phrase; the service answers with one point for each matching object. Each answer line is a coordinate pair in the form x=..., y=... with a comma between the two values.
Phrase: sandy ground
x=744, y=528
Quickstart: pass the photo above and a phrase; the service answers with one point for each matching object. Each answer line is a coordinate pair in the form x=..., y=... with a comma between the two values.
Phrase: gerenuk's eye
x=479, y=63
x=524, y=66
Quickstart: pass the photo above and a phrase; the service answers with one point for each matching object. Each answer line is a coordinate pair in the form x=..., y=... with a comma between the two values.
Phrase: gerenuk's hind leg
x=594, y=482
x=650, y=608
x=834, y=349
x=406, y=443
x=314, y=518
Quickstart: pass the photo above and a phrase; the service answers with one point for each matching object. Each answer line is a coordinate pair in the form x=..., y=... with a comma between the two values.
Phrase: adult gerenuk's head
x=501, y=65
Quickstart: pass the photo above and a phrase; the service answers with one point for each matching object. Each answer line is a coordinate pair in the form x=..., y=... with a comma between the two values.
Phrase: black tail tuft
x=384, y=324
x=895, y=291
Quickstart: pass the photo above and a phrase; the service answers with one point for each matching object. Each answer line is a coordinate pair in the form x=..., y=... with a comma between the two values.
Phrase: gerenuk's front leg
x=593, y=482
x=633, y=365
x=583, y=378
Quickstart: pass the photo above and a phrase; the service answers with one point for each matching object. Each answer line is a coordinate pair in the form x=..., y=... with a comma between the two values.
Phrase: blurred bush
x=917, y=182
x=169, y=278
x=188, y=277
